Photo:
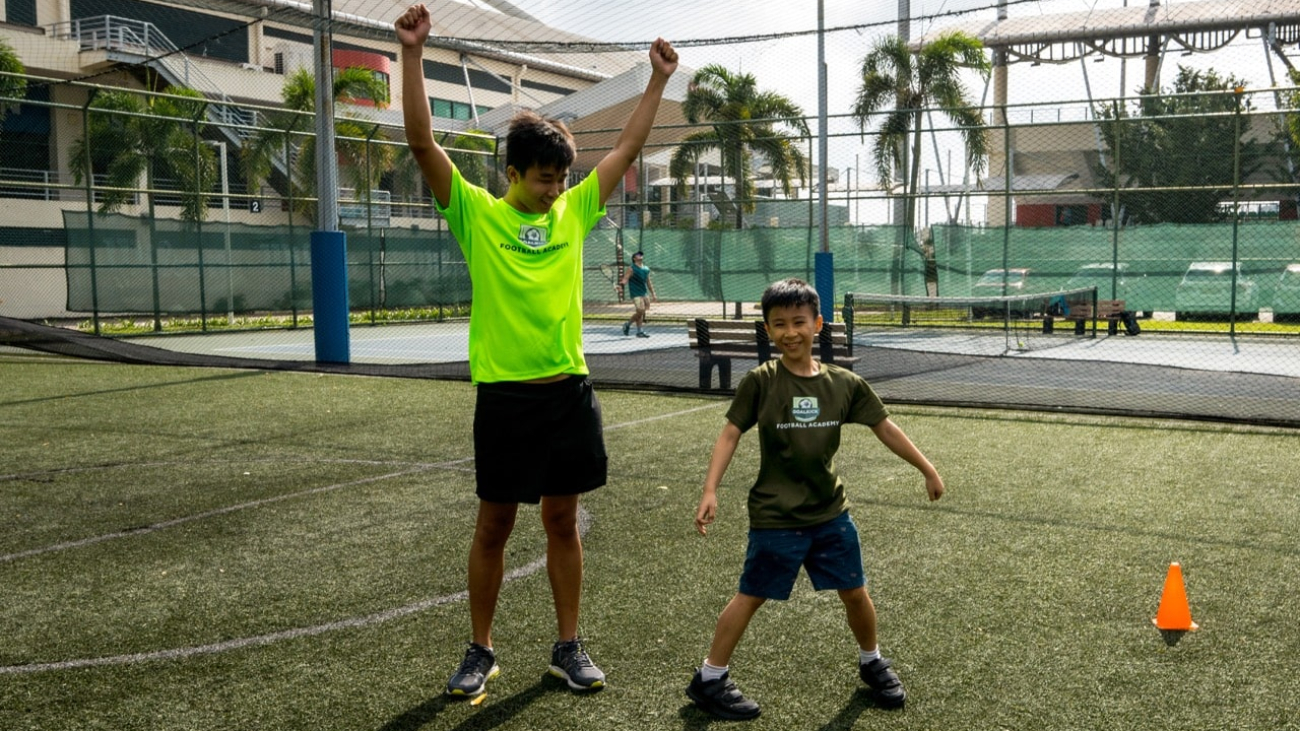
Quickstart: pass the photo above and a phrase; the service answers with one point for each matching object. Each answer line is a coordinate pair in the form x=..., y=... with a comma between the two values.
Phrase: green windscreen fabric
x=1156, y=257
x=122, y=264
x=119, y=263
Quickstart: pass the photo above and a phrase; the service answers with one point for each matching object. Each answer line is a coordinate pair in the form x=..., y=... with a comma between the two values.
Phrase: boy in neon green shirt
x=538, y=436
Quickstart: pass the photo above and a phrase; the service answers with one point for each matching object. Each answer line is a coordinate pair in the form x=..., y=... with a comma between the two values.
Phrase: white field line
x=584, y=524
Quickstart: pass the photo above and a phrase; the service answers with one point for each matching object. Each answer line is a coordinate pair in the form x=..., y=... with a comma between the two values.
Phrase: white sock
x=711, y=672
x=866, y=656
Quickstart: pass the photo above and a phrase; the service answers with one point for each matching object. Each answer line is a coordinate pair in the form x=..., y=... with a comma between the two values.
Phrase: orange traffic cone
x=1174, y=613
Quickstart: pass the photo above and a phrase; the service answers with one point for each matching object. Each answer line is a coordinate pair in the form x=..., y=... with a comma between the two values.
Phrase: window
x=448, y=109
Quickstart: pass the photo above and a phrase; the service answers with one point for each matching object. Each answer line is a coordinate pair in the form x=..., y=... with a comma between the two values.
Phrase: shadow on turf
x=495, y=712
x=141, y=387
x=694, y=719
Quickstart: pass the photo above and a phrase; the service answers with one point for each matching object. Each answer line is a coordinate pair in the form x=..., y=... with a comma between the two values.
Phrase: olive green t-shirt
x=799, y=420
x=525, y=318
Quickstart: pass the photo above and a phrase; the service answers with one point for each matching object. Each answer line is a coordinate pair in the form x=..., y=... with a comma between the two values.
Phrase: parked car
x=1127, y=284
x=1286, y=298
x=998, y=283
x=1206, y=289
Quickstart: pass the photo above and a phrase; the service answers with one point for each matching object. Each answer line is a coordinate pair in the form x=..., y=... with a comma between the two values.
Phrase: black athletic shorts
x=538, y=439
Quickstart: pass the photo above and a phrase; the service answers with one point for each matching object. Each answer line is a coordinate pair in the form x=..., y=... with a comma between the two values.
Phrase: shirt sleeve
x=744, y=407
x=865, y=406
x=585, y=198
x=464, y=199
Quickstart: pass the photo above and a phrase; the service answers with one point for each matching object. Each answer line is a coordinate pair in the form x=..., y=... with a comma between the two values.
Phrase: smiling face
x=536, y=189
x=794, y=329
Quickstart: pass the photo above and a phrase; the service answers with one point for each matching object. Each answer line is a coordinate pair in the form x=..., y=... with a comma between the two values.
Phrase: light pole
x=225, y=206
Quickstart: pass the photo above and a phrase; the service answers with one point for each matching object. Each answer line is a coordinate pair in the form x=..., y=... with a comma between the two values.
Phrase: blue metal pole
x=824, y=282
x=329, y=295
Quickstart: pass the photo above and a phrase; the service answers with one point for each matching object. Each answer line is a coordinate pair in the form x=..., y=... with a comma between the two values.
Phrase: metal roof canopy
x=1124, y=32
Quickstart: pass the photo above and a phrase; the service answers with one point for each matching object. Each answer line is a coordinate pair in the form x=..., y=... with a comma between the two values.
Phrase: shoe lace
x=575, y=656
x=477, y=658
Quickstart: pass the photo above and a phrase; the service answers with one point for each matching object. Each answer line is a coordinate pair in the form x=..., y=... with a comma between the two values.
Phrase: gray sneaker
x=570, y=663
x=478, y=667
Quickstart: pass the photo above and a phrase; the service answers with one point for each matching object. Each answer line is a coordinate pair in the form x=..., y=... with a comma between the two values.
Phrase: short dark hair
x=790, y=292
x=534, y=140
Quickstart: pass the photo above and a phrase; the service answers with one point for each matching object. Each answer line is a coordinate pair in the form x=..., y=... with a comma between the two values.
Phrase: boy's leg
x=638, y=315
x=861, y=613
x=712, y=688
x=487, y=565
x=731, y=627
x=563, y=560
x=486, y=570
x=569, y=660
x=876, y=672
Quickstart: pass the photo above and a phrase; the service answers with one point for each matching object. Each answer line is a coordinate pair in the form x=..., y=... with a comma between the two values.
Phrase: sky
x=789, y=65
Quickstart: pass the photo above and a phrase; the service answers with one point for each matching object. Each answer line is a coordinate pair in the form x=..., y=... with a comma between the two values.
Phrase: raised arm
x=412, y=30
x=663, y=61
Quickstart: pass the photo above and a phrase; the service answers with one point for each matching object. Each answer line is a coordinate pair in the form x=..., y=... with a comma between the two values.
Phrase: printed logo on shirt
x=533, y=237
x=805, y=408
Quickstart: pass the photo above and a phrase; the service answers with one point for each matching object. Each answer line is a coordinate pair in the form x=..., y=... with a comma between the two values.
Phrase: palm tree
x=907, y=85
x=157, y=137
x=132, y=136
x=285, y=135
x=745, y=121
x=12, y=87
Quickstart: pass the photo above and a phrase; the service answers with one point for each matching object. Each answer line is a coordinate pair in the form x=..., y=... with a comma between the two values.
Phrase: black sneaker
x=722, y=698
x=478, y=667
x=642, y=334
x=626, y=327
x=570, y=663
x=884, y=683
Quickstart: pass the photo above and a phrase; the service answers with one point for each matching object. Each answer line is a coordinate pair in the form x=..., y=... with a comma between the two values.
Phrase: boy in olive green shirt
x=798, y=512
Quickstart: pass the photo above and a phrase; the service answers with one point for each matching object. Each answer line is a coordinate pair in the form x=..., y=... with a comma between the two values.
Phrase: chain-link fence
x=163, y=217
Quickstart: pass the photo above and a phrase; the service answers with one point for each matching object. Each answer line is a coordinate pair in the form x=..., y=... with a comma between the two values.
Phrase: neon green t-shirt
x=799, y=420
x=526, y=269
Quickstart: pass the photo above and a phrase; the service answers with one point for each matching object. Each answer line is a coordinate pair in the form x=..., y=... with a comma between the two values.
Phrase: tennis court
x=439, y=342
x=210, y=548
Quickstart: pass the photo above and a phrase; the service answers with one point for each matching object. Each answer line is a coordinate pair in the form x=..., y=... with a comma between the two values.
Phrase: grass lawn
x=211, y=549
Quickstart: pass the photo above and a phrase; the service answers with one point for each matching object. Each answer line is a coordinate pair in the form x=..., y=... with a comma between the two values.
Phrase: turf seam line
x=163, y=525
x=584, y=525
x=532, y=567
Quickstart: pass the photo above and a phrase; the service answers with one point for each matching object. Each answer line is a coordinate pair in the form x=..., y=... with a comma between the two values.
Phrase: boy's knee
x=561, y=527
x=857, y=595
x=493, y=535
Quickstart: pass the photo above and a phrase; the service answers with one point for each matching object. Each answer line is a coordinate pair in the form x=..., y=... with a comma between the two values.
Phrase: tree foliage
x=155, y=136
x=745, y=122
x=896, y=90
x=362, y=161
x=1182, y=137
x=11, y=87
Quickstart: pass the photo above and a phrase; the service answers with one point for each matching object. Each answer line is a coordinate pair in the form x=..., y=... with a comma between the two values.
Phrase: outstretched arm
x=723, y=449
x=663, y=61
x=412, y=30
x=893, y=437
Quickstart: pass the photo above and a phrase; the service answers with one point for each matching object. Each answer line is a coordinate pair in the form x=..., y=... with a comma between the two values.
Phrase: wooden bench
x=1112, y=311
x=716, y=342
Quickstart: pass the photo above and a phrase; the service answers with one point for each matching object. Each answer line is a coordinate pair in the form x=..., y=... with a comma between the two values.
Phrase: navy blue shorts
x=831, y=553
x=538, y=439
